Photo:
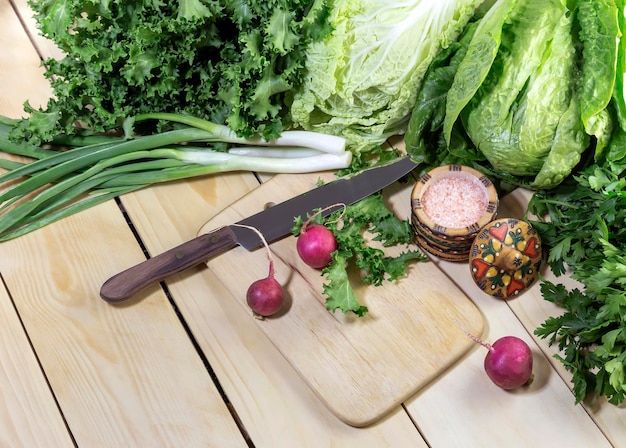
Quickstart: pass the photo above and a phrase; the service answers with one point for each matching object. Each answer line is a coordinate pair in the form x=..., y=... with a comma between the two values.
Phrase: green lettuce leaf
x=362, y=80
x=569, y=143
x=423, y=134
x=619, y=94
x=530, y=94
x=599, y=33
x=475, y=66
x=338, y=290
x=513, y=116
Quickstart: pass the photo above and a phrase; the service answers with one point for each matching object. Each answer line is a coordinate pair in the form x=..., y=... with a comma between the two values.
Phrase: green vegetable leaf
x=619, y=98
x=599, y=33
x=356, y=228
x=514, y=116
x=363, y=79
x=338, y=290
x=615, y=369
x=229, y=62
x=422, y=138
x=395, y=267
x=281, y=29
x=190, y=9
x=568, y=143
x=474, y=68
x=585, y=232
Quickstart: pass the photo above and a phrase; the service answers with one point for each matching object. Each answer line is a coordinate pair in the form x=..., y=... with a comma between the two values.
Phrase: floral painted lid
x=505, y=257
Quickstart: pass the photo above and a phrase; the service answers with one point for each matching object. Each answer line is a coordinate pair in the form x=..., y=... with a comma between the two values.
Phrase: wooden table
x=189, y=370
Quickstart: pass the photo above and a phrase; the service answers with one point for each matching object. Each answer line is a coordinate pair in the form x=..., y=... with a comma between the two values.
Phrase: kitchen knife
x=274, y=223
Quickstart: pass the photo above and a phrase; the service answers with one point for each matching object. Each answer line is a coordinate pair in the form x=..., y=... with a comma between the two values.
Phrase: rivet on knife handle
x=124, y=285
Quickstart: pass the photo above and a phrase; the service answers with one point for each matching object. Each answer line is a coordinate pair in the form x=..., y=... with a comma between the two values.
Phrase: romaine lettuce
x=362, y=80
x=599, y=31
x=619, y=94
x=532, y=91
x=599, y=35
x=514, y=115
x=477, y=62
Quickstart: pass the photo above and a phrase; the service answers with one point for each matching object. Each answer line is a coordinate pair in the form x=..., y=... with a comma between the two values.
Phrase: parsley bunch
x=350, y=226
x=586, y=232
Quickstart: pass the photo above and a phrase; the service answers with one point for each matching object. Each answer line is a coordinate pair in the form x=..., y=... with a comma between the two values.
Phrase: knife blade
x=274, y=223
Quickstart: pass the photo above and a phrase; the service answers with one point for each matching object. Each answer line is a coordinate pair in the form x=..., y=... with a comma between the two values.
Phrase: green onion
x=92, y=169
x=304, y=139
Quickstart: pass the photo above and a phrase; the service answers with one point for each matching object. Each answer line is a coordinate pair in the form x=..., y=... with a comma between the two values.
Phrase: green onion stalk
x=53, y=184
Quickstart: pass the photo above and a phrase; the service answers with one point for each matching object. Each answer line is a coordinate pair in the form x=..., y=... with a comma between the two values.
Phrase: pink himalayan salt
x=455, y=201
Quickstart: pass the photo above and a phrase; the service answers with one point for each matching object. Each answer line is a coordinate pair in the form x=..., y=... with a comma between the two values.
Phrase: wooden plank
x=122, y=375
x=28, y=412
x=29, y=415
x=20, y=64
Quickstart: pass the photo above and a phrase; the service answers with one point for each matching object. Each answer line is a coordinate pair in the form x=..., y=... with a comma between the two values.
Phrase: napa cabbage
x=362, y=81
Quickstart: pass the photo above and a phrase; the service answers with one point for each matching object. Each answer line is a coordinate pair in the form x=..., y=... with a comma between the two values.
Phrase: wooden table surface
x=182, y=368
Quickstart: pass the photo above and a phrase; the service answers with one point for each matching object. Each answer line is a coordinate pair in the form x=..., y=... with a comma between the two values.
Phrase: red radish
x=316, y=243
x=264, y=296
x=509, y=362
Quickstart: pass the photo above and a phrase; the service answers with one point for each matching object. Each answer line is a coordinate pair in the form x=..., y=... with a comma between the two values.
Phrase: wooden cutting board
x=361, y=368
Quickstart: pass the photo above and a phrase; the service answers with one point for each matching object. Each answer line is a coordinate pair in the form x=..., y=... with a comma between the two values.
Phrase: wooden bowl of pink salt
x=449, y=206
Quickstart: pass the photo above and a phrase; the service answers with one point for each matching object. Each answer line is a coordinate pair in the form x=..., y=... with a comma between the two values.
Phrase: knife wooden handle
x=127, y=283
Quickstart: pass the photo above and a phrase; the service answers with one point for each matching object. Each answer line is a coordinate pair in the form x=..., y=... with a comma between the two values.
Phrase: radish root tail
x=312, y=217
x=267, y=247
x=468, y=334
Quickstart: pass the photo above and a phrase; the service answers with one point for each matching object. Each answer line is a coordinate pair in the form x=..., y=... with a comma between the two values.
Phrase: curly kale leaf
x=229, y=61
x=338, y=290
